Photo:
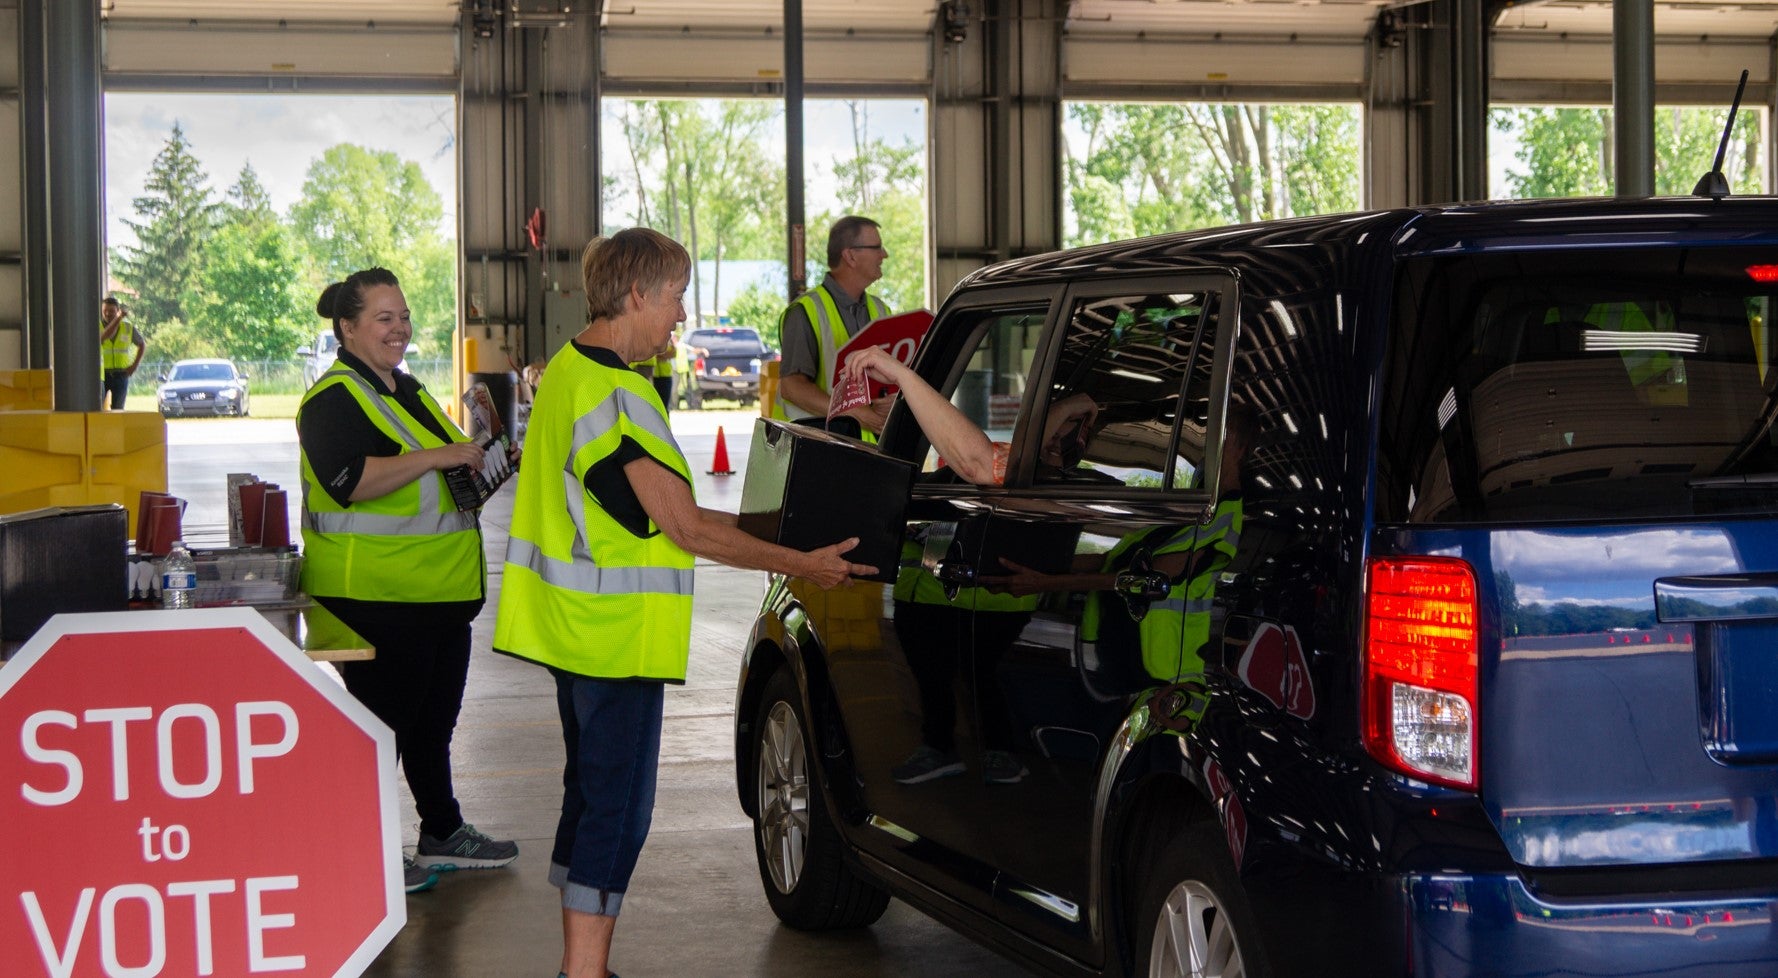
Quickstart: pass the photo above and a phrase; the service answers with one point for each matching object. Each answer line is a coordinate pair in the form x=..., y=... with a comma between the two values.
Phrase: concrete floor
x=695, y=906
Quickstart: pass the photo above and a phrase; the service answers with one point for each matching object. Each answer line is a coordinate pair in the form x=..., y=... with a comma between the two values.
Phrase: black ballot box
x=61, y=559
x=807, y=488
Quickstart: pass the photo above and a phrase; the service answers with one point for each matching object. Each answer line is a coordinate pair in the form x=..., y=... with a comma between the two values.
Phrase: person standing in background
x=387, y=551
x=821, y=320
x=597, y=586
x=116, y=335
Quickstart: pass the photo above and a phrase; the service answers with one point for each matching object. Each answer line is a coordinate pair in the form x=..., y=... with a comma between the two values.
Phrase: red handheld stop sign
x=189, y=795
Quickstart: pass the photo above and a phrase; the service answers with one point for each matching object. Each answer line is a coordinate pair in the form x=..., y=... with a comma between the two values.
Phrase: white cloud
x=1554, y=557
x=279, y=134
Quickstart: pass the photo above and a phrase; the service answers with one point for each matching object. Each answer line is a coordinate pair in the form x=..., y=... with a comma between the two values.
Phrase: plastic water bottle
x=179, y=577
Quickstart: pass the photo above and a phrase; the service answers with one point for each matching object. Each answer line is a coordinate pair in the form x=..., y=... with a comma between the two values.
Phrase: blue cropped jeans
x=611, y=734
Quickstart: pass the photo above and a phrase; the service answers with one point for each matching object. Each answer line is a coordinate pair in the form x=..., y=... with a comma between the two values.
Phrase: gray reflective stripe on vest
x=592, y=426
x=588, y=578
x=824, y=339
x=1223, y=523
x=1180, y=606
x=384, y=525
x=429, y=500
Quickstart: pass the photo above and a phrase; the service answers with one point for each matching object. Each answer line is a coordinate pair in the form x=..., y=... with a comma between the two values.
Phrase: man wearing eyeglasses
x=821, y=320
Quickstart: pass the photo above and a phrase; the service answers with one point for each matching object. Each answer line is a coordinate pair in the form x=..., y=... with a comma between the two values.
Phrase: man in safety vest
x=821, y=320
x=116, y=335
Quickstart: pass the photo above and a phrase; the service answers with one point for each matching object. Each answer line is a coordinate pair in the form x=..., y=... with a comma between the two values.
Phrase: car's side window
x=992, y=384
x=1119, y=407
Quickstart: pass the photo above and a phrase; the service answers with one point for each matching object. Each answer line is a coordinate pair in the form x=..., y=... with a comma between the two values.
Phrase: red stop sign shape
x=189, y=795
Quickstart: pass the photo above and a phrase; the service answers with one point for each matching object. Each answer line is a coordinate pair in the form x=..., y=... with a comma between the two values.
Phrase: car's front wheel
x=1193, y=916
x=800, y=852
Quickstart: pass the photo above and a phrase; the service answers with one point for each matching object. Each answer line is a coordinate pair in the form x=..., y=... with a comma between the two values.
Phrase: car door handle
x=955, y=575
x=1146, y=585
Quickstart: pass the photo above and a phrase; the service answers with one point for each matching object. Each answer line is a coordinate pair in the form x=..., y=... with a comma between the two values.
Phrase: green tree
x=176, y=215
x=1566, y=151
x=759, y=307
x=252, y=298
x=361, y=208
x=1146, y=168
x=888, y=185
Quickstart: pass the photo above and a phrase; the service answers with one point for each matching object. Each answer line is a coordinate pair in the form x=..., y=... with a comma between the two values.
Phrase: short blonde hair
x=642, y=258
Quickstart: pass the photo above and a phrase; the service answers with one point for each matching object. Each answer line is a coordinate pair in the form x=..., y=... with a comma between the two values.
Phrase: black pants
x=116, y=385
x=415, y=685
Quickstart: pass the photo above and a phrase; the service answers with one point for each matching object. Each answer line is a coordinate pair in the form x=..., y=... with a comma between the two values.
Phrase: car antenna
x=1713, y=184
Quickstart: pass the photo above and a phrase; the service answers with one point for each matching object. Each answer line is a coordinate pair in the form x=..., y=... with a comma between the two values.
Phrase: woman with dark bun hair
x=388, y=552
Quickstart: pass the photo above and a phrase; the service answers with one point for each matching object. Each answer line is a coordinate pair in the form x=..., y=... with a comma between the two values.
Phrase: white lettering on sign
x=175, y=842
x=60, y=960
x=44, y=755
x=247, y=750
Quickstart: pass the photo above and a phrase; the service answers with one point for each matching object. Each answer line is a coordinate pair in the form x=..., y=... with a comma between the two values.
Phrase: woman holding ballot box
x=597, y=585
x=388, y=552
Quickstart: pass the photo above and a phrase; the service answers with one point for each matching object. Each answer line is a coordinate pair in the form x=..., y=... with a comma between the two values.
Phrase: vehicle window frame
x=1022, y=466
x=902, y=436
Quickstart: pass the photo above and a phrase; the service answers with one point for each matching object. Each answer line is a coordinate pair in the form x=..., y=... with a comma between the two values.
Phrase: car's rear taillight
x=1420, y=687
x=698, y=367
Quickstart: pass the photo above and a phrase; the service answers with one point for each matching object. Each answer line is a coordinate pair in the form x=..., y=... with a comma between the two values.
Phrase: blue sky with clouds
x=279, y=134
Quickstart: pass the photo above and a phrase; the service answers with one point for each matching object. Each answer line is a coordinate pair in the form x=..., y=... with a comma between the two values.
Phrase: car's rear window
x=725, y=342
x=1580, y=385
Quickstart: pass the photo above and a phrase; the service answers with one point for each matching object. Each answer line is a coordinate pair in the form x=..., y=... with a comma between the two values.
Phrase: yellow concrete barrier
x=69, y=458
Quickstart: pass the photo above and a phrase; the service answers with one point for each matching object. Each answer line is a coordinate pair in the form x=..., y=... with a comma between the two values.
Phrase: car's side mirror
x=412, y=348
x=243, y=375
x=163, y=376
x=303, y=351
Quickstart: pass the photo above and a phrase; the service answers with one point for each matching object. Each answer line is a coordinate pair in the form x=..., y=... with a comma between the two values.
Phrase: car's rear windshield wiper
x=1764, y=481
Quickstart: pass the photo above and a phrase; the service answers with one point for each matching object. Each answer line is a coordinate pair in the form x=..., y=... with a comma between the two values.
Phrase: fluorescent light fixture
x=1602, y=340
x=1296, y=480
x=1447, y=408
x=1264, y=482
x=1323, y=419
x=1288, y=422
x=1133, y=375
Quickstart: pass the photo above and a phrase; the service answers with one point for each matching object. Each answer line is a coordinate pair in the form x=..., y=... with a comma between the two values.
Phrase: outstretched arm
x=965, y=447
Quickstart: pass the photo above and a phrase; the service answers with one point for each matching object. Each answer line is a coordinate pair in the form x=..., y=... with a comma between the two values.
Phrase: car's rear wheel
x=799, y=850
x=1193, y=919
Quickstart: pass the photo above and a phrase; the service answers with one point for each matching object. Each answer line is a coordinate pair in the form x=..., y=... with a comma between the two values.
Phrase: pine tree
x=177, y=215
x=251, y=300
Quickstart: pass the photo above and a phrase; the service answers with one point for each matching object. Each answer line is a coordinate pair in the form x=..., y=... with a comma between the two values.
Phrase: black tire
x=1190, y=900
x=694, y=397
x=799, y=850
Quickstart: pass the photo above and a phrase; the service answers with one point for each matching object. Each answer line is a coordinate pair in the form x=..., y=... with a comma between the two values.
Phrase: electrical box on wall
x=564, y=314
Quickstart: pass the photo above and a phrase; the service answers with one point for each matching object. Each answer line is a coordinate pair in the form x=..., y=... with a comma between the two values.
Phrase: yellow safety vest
x=412, y=545
x=117, y=352
x=1175, y=629
x=579, y=591
x=830, y=335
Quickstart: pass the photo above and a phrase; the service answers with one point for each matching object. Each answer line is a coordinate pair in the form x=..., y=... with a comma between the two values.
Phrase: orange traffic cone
x=720, y=460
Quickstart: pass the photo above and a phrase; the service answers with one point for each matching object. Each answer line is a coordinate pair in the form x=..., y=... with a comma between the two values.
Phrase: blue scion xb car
x=1380, y=595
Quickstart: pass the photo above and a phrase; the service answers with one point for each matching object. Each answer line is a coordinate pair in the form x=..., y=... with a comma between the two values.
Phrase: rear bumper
x=744, y=384
x=1492, y=925
x=1465, y=926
